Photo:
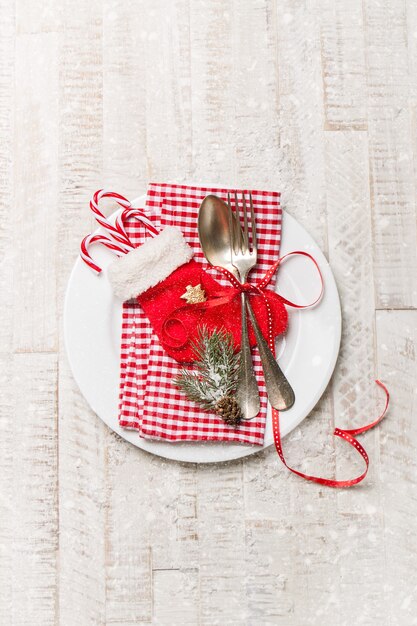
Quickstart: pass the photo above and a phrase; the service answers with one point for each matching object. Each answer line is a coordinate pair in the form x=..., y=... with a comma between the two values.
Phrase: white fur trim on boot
x=149, y=264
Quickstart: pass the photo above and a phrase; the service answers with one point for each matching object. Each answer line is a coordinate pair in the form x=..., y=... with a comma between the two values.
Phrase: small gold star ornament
x=194, y=295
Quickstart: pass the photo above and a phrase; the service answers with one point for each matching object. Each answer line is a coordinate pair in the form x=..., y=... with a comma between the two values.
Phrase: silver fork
x=247, y=392
x=280, y=393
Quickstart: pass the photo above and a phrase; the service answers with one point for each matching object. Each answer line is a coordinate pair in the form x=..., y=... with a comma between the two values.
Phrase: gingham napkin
x=149, y=402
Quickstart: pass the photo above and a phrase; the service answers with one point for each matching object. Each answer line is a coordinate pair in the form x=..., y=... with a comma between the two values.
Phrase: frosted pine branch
x=214, y=376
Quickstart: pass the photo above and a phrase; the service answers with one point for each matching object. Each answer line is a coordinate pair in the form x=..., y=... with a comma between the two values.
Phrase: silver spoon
x=214, y=234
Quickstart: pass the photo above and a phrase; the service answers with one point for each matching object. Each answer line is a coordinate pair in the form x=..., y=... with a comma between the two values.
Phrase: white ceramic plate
x=308, y=354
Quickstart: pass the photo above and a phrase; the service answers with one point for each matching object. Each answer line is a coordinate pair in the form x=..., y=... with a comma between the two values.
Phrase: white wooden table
x=315, y=98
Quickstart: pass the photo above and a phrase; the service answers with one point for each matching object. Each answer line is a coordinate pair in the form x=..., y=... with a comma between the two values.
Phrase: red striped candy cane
x=117, y=231
x=116, y=238
x=105, y=241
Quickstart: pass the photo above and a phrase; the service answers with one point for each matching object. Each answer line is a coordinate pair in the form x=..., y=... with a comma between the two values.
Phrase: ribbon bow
x=260, y=286
x=225, y=295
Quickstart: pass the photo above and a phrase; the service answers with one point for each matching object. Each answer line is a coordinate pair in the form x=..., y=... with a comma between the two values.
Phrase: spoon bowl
x=214, y=233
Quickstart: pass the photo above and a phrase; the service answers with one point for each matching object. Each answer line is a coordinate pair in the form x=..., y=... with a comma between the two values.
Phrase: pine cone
x=229, y=410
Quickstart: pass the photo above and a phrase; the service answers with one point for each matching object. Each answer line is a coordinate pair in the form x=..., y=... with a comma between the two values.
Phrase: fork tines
x=241, y=237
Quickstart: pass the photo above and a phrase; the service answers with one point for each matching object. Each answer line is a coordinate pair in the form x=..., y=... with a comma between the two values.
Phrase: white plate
x=308, y=354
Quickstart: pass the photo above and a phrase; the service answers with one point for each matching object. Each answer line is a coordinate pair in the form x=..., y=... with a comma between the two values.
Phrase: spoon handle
x=280, y=393
x=247, y=392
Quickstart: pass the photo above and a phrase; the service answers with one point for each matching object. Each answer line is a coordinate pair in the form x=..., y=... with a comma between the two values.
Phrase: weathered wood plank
x=124, y=97
x=411, y=24
x=82, y=502
x=128, y=522
x=269, y=557
x=212, y=97
x=82, y=435
x=6, y=488
x=310, y=447
x=396, y=350
x=174, y=526
x=146, y=134
x=165, y=30
x=350, y=254
x=301, y=112
x=176, y=597
x=390, y=155
x=288, y=515
x=31, y=506
x=144, y=517
x=32, y=17
x=7, y=50
x=343, y=65
x=221, y=531
x=255, y=94
x=358, y=526
x=7, y=54
x=35, y=192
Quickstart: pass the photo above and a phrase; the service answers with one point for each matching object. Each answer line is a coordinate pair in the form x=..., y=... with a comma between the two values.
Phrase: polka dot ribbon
x=347, y=435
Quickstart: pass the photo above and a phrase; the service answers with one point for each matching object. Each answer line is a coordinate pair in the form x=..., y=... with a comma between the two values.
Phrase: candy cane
x=116, y=238
x=118, y=231
x=105, y=241
x=139, y=215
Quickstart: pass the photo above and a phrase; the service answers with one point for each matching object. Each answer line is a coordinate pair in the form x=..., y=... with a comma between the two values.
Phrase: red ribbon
x=261, y=285
x=346, y=434
x=224, y=296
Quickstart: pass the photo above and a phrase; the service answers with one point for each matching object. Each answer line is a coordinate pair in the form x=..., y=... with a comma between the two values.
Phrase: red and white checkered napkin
x=149, y=402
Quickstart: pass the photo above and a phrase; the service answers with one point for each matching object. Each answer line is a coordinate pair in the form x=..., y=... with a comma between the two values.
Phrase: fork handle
x=280, y=393
x=247, y=392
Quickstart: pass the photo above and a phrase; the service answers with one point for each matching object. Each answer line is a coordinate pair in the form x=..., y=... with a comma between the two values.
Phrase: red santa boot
x=178, y=295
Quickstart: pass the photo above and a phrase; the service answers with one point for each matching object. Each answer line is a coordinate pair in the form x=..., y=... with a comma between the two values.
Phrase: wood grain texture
x=124, y=98
x=128, y=546
x=31, y=18
x=82, y=439
x=390, y=154
x=33, y=495
x=301, y=111
x=176, y=597
x=287, y=529
x=350, y=255
x=397, y=341
x=7, y=114
x=212, y=97
x=7, y=67
x=314, y=98
x=35, y=191
x=221, y=528
x=343, y=65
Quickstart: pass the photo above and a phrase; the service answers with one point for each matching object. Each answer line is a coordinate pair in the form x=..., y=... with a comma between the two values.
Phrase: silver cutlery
x=217, y=227
x=225, y=244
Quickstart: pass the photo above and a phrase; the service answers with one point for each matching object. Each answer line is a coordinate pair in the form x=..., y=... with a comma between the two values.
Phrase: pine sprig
x=195, y=389
x=215, y=371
